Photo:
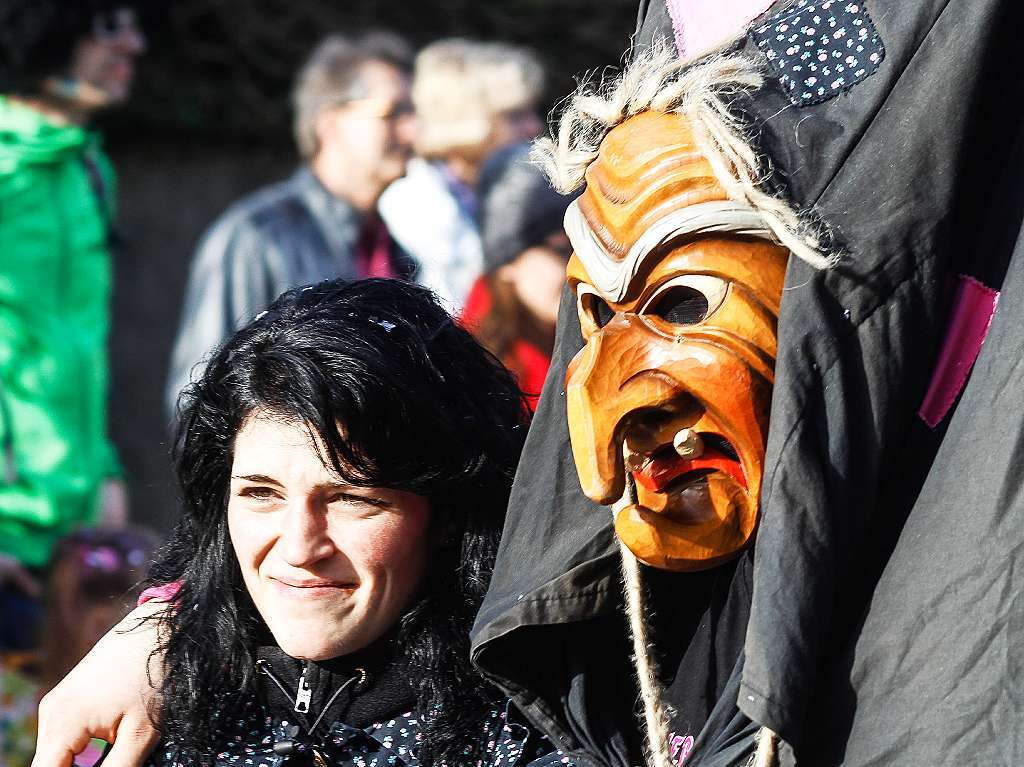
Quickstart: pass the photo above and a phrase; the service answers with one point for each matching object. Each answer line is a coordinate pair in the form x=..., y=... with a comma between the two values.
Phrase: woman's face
x=537, y=276
x=329, y=566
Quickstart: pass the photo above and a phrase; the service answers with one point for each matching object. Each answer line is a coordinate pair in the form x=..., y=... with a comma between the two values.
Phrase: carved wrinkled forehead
x=645, y=166
x=649, y=186
x=712, y=155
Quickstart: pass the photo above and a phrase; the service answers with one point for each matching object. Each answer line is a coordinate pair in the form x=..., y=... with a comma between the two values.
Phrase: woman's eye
x=687, y=300
x=364, y=501
x=258, y=493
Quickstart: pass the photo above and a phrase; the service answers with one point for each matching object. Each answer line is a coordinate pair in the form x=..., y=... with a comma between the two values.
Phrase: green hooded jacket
x=56, y=192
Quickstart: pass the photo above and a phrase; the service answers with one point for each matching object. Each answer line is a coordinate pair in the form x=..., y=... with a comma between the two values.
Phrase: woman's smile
x=312, y=588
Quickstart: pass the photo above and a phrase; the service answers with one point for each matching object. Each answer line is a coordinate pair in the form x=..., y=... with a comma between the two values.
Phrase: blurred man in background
x=60, y=62
x=472, y=99
x=354, y=127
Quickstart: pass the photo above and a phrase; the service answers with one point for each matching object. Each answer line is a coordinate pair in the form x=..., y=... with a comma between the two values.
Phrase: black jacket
x=354, y=711
x=883, y=622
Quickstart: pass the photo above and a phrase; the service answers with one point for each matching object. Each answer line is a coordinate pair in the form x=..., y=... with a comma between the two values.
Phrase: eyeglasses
x=384, y=110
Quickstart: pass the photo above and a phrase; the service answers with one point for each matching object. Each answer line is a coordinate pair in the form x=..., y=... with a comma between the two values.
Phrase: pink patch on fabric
x=679, y=748
x=700, y=25
x=165, y=593
x=974, y=306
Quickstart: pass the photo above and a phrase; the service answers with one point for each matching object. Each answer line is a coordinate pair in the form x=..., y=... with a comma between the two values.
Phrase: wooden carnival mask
x=678, y=292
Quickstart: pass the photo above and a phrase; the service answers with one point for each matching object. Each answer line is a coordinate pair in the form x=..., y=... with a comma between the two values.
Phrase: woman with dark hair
x=513, y=307
x=345, y=462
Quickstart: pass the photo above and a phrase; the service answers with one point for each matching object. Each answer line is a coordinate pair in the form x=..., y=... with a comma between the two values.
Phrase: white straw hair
x=657, y=80
x=767, y=749
x=656, y=720
x=655, y=715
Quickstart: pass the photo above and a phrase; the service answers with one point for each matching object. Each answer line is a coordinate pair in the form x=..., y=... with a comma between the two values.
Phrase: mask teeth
x=633, y=461
x=631, y=488
x=688, y=443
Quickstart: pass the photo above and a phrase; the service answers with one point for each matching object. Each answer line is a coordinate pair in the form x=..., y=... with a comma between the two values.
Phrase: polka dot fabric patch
x=820, y=48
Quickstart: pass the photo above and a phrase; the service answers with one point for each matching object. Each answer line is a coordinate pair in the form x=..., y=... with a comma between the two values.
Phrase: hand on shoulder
x=107, y=695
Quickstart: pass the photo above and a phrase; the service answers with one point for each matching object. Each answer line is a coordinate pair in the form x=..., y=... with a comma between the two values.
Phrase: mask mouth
x=665, y=471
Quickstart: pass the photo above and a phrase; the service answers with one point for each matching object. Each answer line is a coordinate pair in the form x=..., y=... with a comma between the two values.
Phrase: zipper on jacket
x=360, y=677
x=301, y=704
x=303, y=694
x=63, y=267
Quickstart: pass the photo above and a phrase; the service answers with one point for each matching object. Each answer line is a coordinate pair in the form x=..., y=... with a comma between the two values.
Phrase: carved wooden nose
x=606, y=383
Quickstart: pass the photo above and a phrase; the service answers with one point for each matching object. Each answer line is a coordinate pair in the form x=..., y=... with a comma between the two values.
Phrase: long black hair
x=400, y=397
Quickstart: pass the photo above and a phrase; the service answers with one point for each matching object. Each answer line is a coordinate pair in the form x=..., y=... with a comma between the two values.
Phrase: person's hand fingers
x=132, y=743
x=107, y=695
x=53, y=755
x=132, y=740
x=56, y=746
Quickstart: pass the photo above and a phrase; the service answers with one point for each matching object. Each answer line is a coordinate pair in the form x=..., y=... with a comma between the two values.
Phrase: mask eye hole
x=602, y=312
x=597, y=309
x=681, y=305
x=593, y=310
x=687, y=300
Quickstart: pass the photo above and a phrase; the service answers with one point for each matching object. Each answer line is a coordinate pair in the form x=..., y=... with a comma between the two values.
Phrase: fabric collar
x=381, y=689
x=340, y=223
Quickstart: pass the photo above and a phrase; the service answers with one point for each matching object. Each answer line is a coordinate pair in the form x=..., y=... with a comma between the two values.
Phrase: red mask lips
x=666, y=467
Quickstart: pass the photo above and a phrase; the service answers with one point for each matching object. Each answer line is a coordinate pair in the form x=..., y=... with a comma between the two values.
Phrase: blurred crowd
x=413, y=166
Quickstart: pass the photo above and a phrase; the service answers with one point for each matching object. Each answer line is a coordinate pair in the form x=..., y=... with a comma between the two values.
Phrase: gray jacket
x=288, y=234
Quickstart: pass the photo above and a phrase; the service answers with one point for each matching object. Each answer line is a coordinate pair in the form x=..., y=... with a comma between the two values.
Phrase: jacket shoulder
x=251, y=223
x=260, y=208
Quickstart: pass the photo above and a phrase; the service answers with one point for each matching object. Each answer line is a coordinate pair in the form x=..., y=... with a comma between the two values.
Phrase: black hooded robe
x=883, y=626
